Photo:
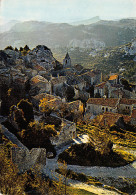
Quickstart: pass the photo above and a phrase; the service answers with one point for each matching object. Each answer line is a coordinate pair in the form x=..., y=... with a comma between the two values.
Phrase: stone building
x=133, y=117
x=100, y=105
x=66, y=134
x=100, y=89
x=126, y=105
x=116, y=105
x=57, y=83
x=67, y=61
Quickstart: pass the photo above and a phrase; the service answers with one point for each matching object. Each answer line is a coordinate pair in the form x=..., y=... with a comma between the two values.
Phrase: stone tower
x=67, y=61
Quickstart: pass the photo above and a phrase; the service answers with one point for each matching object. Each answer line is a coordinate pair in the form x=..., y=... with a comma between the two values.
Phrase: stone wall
x=25, y=159
x=22, y=157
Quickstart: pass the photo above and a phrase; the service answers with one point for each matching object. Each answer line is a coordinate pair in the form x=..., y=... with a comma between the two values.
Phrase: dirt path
x=51, y=165
x=94, y=189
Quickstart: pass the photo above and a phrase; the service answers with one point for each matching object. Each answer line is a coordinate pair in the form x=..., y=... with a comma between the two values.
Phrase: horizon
x=59, y=11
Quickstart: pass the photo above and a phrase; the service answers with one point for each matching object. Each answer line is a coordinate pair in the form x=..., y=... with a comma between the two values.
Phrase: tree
x=27, y=109
x=21, y=49
x=38, y=135
x=10, y=181
x=26, y=48
x=70, y=93
x=46, y=107
x=9, y=47
x=16, y=49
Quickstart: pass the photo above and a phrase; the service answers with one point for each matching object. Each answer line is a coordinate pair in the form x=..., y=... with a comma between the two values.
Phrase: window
x=89, y=107
x=103, y=108
x=106, y=109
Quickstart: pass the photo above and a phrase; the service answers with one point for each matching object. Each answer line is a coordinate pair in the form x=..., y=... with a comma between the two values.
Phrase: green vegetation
x=99, y=151
x=86, y=155
x=118, y=136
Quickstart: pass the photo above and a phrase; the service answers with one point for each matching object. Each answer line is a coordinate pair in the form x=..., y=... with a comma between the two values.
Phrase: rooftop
x=113, y=77
x=109, y=118
x=127, y=101
x=133, y=114
x=101, y=85
x=111, y=102
x=58, y=80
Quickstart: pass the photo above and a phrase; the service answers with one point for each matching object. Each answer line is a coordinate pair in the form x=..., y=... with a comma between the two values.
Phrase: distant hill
x=111, y=59
x=98, y=35
x=87, y=22
x=7, y=26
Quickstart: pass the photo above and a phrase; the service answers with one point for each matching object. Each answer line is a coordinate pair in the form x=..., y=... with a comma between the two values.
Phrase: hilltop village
x=38, y=92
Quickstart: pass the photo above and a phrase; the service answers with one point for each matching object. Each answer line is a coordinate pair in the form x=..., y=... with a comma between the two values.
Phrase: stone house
x=57, y=83
x=133, y=117
x=76, y=81
x=125, y=105
x=100, y=89
x=108, y=119
x=100, y=105
x=92, y=77
x=66, y=134
x=115, y=105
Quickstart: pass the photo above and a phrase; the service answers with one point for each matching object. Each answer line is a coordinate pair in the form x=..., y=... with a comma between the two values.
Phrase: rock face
x=42, y=56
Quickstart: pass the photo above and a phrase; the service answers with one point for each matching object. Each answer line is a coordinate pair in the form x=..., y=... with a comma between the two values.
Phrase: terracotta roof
x=39, y=68
x=113, y=77
x=111, y=102
x=127, y=101
x=59, y=80
x=111, y=118
x=101, y=85
x=133, y=115
x=37, y=79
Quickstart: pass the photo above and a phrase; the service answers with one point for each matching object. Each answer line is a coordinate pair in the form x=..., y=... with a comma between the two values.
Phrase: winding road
x=128, y=171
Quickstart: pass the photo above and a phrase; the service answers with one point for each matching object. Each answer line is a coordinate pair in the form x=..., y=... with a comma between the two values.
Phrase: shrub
x=27, y=109
x=9, y=47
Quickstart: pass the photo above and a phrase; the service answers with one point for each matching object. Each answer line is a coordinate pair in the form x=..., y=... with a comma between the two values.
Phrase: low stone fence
x=24, y=158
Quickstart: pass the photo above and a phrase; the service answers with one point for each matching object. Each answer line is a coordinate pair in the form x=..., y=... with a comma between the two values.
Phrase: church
x=67, y=61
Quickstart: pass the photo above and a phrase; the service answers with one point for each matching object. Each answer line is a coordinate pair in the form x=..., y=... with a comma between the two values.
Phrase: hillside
x=111, y=59
x=97, y=35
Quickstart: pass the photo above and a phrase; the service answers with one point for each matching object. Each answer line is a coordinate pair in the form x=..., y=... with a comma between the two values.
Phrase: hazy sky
x=65, y=10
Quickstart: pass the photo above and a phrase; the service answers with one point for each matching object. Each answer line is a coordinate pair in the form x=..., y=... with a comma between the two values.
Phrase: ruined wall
x=25, y=159
x=67, y=133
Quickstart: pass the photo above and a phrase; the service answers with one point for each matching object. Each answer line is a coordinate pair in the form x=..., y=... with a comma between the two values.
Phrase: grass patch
x=123, y=137
x=75, y=191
